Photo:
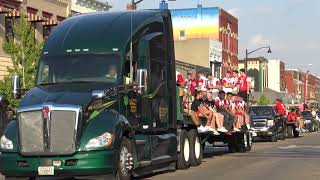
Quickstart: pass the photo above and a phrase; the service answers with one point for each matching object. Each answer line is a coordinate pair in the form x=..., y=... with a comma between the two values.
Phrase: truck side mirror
x=142, y=76
x=15, y=83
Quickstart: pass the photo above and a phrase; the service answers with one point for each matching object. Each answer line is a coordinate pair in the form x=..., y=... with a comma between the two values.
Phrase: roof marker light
x=85, y=49
x=115, y=49
x=77, y=50
x=69, y=50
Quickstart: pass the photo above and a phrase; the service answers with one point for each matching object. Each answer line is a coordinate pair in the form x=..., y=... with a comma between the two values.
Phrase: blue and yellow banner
x=195, y=23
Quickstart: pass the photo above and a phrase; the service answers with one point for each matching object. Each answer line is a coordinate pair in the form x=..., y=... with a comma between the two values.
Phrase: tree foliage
x=24, y=52
x=263, y=100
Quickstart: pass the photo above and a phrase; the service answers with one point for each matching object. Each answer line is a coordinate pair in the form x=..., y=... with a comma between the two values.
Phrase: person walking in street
x=244, y=85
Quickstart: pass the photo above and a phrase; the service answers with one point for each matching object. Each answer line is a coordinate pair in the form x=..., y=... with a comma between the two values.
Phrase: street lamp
x=305, y=84
x=247, y=53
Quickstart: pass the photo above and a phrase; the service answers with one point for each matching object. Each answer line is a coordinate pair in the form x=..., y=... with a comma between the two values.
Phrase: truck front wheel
x=125, y=161
x=242, y=142
x=195, y=148
x=232, y=144
x=250, y=139
x=274, y=138
x=184, y=154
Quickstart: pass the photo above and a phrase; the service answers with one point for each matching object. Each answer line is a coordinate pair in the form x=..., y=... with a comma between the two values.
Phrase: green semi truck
x=105, y=104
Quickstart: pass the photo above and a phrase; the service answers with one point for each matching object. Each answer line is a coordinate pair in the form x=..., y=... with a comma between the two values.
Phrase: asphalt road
x=292, y=159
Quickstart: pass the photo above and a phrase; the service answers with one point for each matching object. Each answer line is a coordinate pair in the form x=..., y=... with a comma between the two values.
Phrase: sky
x=290, y=27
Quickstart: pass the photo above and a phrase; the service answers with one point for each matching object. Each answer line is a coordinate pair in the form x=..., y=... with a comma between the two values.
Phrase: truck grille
x=53, y=136
x=259, y=124
x=62, y=133
x=31, y=132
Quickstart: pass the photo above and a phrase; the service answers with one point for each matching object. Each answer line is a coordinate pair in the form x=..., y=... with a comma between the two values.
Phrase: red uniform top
x=291, y=116
x=280, y=108
x=218, y=102
x=243, y=83
x=227, y=81
x=193, y=85
x=180, y=79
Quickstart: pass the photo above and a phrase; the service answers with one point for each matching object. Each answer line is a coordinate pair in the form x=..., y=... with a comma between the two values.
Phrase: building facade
x=276, y=75
x=43, y=16
x=295, y=83
x=258, y=70
x=202, y=29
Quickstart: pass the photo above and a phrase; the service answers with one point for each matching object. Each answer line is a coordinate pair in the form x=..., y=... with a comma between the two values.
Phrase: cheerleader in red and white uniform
x=213, y=85
x=227, y=83
x=232, y=109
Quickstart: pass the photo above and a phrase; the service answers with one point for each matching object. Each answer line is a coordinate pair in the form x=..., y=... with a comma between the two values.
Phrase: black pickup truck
x=267, y=123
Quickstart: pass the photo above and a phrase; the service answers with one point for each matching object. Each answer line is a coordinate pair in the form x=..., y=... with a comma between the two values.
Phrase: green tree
x=24, y=52
x=263, y=100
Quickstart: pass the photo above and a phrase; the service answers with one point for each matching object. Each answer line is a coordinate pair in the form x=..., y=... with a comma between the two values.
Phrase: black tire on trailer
x=242, y=142
x=274, y=138
x=283, y=134
x=232, y=144
x=290, y=131
x=196, y=150
x=125, y=161
x=295, y=133
x=250, y=141
x=184, y=154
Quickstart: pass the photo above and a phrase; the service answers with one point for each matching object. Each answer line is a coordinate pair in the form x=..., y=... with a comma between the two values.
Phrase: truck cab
x=102, y=102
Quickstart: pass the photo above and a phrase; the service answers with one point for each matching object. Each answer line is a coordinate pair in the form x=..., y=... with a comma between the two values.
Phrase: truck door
x=163, y=138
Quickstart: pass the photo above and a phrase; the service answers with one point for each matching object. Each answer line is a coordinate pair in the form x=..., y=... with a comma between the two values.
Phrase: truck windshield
x=261, y=111
x=79, y=68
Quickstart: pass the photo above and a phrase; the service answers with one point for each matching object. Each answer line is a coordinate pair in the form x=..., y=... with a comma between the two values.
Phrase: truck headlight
x=270, y=123
x=6, y=143
x=104, y=140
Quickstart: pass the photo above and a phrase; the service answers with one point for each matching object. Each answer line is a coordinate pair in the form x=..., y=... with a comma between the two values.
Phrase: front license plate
x=254, y=134
x=46, y=171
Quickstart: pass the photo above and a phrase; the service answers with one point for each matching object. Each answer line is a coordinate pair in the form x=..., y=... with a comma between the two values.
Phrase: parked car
x=309, y=121
x=267, y=123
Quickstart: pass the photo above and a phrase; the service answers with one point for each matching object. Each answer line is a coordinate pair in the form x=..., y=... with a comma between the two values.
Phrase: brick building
x=196, y=33
x=43, y=16
x=296, y=80
x=295, y=83
x=228, y=35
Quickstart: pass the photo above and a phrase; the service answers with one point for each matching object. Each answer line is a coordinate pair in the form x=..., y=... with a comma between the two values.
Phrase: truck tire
x=282, y=135
x=290, y=131
x=232, y=144
x=242, y=142
x=195, y=148
x=250, y=140
x=184, y=154
x=274, y=138
x=295, y=133
x=125, y=160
